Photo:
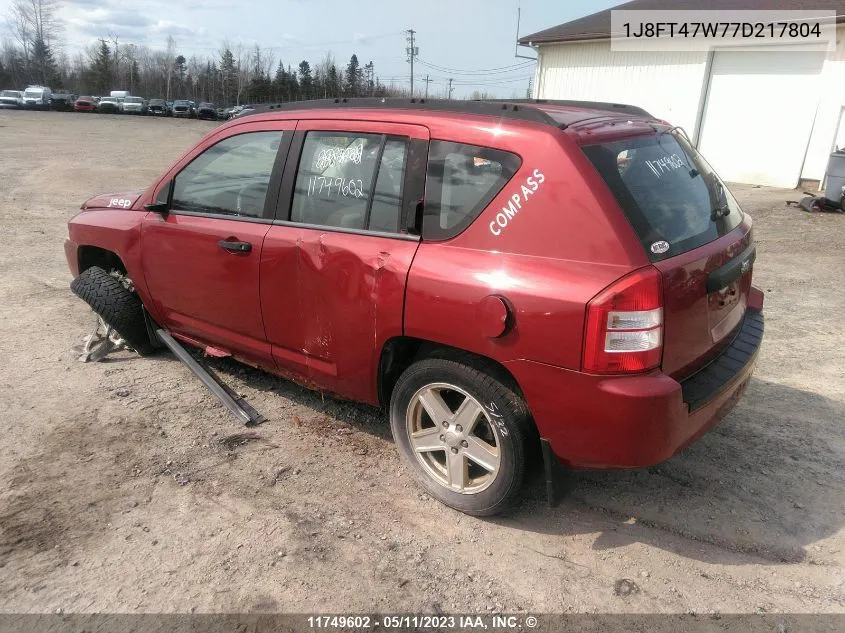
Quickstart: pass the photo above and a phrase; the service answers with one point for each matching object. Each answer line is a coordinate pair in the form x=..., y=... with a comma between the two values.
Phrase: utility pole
x=450, y=88
x=427, y=81
x=412, y=52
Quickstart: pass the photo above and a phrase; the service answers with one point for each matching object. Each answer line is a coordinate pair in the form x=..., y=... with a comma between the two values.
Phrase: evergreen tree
x=305, y=80
x=134, y=75
x=333, y=82
x=279, y=83
x=101, y=68
x=293, y=89
x=228, y=78
x=353, y=77
x=43, y=65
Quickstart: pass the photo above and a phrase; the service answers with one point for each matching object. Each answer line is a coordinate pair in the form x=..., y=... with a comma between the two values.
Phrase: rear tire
x=476, y=467
x=117, y=305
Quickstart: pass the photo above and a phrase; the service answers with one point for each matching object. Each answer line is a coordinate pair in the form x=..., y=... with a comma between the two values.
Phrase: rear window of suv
x=461, y=181
x=667, y=190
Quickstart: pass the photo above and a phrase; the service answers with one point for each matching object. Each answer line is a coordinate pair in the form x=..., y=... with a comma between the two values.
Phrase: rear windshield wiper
x=722, y=209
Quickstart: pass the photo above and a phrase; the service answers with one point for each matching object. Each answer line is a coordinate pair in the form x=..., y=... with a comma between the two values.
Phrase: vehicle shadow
x=367, y=418
x=766, y=483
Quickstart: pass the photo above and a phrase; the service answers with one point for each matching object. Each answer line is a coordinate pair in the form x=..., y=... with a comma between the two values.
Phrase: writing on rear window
x=665, y=164
x=339, y=155
x=318, y=185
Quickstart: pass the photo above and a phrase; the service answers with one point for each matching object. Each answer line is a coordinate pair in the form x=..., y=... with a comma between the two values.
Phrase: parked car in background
x=85, y=104
x=184, y=109
x=109, y=105
x=245, y=110
x=221, y=114
x=11, y=99
x=207, y=111
x=565, y=280
x=62, y=101
x=37, y=97
x=134, y=105
x=158, y=107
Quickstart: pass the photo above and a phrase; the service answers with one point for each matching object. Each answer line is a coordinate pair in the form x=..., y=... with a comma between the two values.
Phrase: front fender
x=115, y=230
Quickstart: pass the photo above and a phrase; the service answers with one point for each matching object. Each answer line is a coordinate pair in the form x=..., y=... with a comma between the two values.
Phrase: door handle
x=235, y=247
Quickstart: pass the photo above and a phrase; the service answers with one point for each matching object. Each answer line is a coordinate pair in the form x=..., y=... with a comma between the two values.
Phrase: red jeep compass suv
x=497, y=275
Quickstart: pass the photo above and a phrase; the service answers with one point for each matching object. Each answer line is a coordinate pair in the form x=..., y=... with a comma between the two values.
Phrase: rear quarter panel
x=546, y=245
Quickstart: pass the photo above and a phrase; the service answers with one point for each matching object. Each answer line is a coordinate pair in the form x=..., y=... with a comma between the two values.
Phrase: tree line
x=234, y=76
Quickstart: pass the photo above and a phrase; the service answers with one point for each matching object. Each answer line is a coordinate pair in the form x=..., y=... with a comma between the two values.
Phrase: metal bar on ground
x=239, y=407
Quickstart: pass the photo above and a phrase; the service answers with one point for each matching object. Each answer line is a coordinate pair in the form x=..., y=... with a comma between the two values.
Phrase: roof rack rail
x=622, y=108
x=503, y=109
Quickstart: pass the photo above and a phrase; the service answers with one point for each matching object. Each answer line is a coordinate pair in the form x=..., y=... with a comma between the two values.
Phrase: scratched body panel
x=352, y=289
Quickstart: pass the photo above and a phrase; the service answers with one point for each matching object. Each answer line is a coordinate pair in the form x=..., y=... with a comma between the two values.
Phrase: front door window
x=230, y=177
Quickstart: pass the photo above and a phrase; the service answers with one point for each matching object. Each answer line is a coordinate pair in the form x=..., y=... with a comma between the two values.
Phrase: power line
x=493, y=81
x=482, y=71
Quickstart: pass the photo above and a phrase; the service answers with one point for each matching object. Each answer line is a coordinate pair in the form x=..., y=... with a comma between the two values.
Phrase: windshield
x=33, y=93
x=668, y=192
x=108, y=100
x=10, y=93
x=181, y=103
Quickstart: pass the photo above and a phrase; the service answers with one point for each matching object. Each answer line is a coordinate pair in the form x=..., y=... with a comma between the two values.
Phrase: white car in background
x=11, y=99
x=134, y=105
x=37, y=97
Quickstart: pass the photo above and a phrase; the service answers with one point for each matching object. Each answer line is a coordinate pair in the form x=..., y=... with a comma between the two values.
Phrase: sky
x=471, y=41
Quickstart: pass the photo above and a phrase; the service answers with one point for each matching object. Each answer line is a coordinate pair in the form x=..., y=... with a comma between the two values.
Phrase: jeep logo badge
x=660, y=247
x=746, y=266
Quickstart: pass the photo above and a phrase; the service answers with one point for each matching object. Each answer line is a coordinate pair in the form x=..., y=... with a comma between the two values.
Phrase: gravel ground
x=125, y=487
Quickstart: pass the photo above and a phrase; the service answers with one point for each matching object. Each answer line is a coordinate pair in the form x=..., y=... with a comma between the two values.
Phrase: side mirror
x=162, y=202
x=157, y=207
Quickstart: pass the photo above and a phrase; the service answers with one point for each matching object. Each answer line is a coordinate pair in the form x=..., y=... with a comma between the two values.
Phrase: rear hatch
x=694, y=233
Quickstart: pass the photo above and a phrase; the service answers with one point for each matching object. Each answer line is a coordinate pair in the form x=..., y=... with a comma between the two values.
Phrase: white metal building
x=768, y=118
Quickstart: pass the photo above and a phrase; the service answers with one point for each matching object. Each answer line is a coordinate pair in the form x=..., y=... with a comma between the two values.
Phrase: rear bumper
x=635, y=421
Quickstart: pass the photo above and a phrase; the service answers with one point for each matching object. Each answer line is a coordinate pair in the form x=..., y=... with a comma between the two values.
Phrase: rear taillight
x=624, y=331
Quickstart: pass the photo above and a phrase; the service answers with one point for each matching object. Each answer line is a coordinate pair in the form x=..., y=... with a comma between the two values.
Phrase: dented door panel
x=330, y=300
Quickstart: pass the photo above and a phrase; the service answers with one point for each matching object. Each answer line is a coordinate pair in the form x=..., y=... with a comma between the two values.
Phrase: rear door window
x=669, y=193
x=461, y=181
x=350, y=181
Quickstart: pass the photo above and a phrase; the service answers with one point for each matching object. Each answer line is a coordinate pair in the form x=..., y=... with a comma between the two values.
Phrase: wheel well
x=96, y=256
x=400, y=352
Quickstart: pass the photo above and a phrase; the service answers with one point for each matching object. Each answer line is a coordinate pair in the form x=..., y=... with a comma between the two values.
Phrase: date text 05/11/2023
x=475, y=622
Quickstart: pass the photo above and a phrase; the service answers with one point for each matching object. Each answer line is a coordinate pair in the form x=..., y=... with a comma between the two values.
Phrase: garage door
x=759, y=114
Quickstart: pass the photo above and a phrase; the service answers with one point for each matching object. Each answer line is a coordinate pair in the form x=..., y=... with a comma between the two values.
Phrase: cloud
x=118, y=18
x=88, y=3
x=211, y=5
x=166, y=27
